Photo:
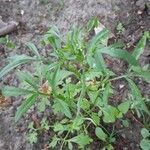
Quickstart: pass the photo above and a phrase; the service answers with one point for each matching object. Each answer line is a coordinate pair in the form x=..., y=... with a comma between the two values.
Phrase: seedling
x=120, y=28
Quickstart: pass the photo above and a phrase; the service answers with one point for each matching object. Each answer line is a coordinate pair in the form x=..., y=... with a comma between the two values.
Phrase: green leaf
x=13, y=91
x=145, y=144
x=10, y=45
x=53, y=142
x=25, y=106
x=100, y=64
x=42, y=104
x=32, y=137
x=95, y=118
x=14, y=62
x=110, y=114
x=82, y=140
x=137, y=97
x=28, y=78
x=70, y=146
x=118, y=53
x=84, y=104
x=92, y=23
x=124, y=107
x=140, y=46
x=33, y=48
x=100, y=134
x=77, y=122
x=142, y=73
x=59, y=127
x=62, y=74
x=61, y=106
x=145, y=133
x=106, y=94
x=97, y=40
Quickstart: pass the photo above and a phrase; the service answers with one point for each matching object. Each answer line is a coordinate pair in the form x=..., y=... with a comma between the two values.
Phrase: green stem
x=64, y=140
x=120, y=77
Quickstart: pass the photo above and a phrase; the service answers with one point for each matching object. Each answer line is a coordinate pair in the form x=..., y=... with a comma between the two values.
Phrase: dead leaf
x=45, y=88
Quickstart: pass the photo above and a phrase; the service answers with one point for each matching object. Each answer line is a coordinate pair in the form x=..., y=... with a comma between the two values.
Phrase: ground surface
x=34, y=17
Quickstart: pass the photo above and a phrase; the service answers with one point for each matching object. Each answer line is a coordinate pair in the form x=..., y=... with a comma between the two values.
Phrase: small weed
x=120, y=28
x=78, y=85
x=145, y=142
x=7, y=43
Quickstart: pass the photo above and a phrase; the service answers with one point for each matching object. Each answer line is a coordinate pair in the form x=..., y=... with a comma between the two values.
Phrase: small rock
x=139, y=12
x=141, y=4
x=121, y=86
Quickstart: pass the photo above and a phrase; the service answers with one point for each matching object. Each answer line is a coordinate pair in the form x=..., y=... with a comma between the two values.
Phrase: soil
x=35, y=17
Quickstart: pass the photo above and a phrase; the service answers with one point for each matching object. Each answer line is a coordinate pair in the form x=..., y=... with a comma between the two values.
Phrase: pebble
x=141, y=4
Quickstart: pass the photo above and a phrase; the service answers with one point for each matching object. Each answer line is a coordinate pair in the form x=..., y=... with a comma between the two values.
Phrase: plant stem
x=63, y=142
x=120, y=77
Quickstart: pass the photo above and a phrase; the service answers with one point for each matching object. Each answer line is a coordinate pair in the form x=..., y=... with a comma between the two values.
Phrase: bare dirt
x=35, y=17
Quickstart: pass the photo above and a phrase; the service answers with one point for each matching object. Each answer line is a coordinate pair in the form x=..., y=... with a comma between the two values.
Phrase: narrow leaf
x=13, y=91
x=33, y=48
x=142, y=73
x=25, y=106
x=14, y=62
x=118, y=53
x=140, y=46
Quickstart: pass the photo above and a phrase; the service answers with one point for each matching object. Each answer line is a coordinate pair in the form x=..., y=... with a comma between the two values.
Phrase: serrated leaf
x=62, y=106
x=98, y=39
x=118, y=53
x=100, y=64
x=140, y=46
x=32, y=137
x=28, y=78
x=92, y=23
x=142, y=73
x=77, y=122
x=42, y=104
x=106, y=94
x=53, y=142
x=124, y=107
x=62, y=74
x=14, y=62
x=82, y=140
x=145, y=133
x=100, y=134
x=137, y=97
x=14, y=91
x=59, y=127
x=25, y=106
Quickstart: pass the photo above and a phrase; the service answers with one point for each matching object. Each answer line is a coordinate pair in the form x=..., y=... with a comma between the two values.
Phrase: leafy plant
x=145, y=142
x=76, y=84
x=120, y=28
x=7, y=43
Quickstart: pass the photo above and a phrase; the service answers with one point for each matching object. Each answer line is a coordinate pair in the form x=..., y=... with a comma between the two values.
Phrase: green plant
x=77, y=84
x=145, y=142
x=120, y=28
x=7, y=43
